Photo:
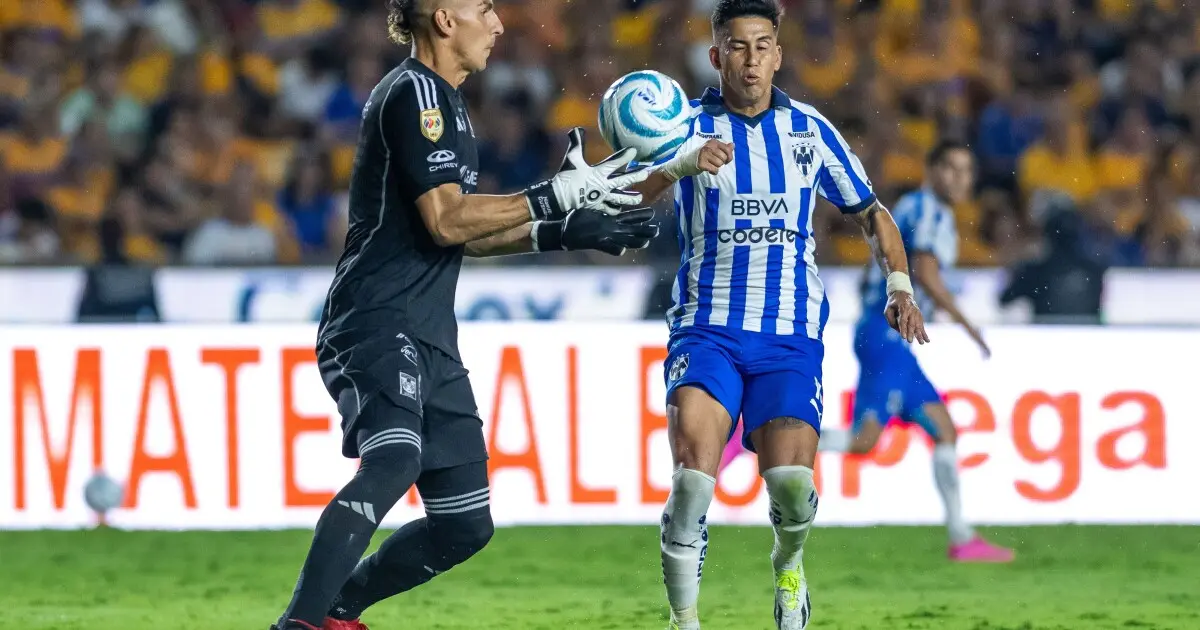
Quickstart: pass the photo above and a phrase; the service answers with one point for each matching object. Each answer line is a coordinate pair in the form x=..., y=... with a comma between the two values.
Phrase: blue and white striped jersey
x=926, y=225
x=746, y=233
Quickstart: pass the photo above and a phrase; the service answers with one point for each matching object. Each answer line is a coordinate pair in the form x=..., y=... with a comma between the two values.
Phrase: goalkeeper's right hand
x=706, y=158
x=581, y=185
x=589, y=228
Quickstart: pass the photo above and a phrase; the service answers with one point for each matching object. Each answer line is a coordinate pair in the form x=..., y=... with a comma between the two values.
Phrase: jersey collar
x=711, y=99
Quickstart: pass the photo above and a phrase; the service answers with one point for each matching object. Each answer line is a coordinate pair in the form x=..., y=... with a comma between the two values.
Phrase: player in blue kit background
x=891, y=383
x=749, y=308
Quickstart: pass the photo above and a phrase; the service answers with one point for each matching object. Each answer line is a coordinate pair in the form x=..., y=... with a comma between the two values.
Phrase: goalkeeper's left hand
x=589, y=228
x=581, y=185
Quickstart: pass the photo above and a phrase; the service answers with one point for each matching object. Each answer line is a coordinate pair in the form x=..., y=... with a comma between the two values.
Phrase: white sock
x=684, y=539
x=835, y=440
x=793, y=508
x=945, y=474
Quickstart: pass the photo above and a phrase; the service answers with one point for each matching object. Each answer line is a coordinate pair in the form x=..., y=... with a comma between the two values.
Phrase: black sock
x=344, y=531
x=426, y=547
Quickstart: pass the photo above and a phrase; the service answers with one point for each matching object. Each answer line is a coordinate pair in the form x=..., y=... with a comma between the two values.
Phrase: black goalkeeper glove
x=593, y=229
x=582, y=185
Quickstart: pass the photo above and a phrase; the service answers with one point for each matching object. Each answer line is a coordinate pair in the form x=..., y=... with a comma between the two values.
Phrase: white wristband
x=682, y=165
x=898, y=281
x=533, y=230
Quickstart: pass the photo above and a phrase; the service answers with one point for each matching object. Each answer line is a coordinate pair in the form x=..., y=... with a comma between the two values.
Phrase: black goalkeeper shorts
x=401, y=389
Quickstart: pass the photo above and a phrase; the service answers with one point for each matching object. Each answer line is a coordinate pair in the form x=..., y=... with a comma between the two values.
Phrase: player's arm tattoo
x=788, y=421
x=883, y=237
x=509, y=242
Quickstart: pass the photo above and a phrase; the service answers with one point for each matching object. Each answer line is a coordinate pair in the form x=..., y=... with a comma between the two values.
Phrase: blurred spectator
x=306, y=83
x=1165, y=234
x=1007, y=128
x=33, y=154
x=344, y=107
x=1060, y=161
x=288, y=27
x=33, y=239
x=344, y=111
x=1065, y=284
x=512, y=156
x=308, y=204
x=79, y=203
x=111, y=19
x=520, y=69
x=136, y=243
x=235, y=237
x=576, y=105
x=172, y=208
x=102, y=98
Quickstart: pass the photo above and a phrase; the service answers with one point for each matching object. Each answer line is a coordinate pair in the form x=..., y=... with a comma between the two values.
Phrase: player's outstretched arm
x=507, y=243
x=454, y=218
x=690, y=161
x=928, y=274
x=888, y=247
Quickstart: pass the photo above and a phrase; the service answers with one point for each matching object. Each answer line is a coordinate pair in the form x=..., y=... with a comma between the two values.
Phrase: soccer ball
x=103, y=493
x=645, y=110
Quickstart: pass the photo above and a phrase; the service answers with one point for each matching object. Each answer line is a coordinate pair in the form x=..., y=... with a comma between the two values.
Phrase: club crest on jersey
x=803, y=154
x=432, y=124
x=679, y=367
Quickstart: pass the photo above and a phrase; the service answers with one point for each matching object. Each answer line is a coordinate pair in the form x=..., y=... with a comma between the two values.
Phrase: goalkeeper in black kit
x=387, y=346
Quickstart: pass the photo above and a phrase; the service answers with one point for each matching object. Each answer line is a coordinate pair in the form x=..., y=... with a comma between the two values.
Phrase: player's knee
x=461, y=536
x=687, y=505
x=863, y=442
x=866, y=435
x=936, y=420
x=698, y=436
x=792, y=493
x=387, y=472
x=947, y=433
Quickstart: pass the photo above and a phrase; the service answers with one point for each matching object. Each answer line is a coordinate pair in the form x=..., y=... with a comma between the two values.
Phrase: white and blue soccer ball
x=103, y=493
x=646, y=110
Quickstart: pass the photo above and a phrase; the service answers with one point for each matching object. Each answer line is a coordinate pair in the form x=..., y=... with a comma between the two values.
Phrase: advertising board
x=230, y=427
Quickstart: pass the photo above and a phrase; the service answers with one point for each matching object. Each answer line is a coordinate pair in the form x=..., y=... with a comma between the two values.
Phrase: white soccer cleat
x=684, y=622
x=792, y=606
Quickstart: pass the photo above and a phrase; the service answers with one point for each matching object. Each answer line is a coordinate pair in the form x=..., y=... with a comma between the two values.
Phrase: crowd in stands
x=222, y=131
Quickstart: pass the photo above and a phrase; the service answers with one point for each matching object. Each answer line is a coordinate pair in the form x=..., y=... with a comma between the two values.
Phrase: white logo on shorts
x=408, y=350
x=815, y=401
x=678, y=367
x=409, y=386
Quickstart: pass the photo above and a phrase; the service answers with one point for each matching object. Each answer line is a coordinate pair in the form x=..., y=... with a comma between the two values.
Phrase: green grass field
x=608, y=577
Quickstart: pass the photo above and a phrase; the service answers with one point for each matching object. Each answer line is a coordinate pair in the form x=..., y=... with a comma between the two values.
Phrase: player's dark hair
x=400, y=21
x=727, y=10
x=944, y=148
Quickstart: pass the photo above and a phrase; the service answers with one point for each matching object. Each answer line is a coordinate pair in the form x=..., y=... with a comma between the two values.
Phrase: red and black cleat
x=293, y=624
x=338, y=624
x=329, y=624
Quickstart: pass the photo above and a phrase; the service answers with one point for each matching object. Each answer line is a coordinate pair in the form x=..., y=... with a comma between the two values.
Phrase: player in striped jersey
x=749, y=306
x=891, y=383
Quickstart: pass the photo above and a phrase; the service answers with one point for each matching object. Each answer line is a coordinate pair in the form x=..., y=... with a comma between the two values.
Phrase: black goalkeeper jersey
x=392, y=276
